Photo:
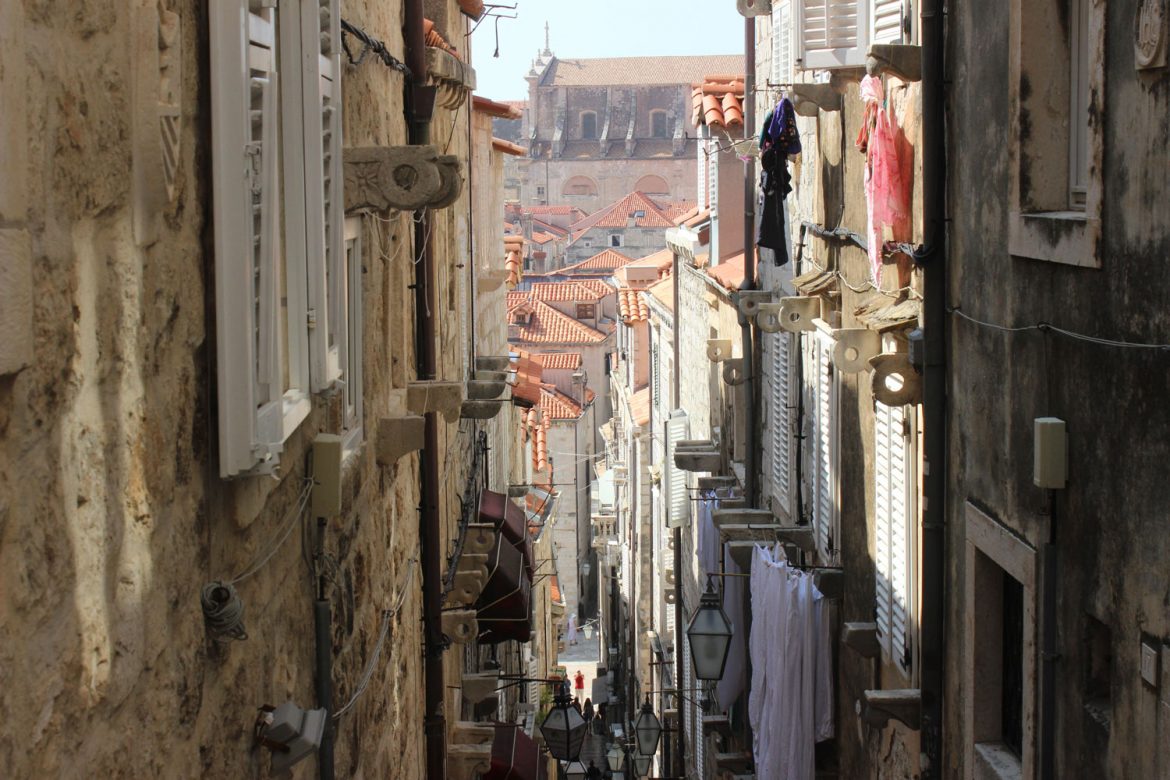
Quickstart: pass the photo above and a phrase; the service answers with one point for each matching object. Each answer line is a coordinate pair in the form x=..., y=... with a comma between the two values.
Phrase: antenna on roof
x=547, y=50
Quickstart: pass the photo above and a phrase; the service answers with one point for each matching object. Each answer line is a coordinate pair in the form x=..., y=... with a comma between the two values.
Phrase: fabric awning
x=504, y=608
x=515, y=756
x=511, y=520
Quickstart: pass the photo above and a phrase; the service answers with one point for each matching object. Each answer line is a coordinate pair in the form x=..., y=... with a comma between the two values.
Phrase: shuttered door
x=886, y=21
x=245, y=155
x=833, y=33
x=781, y=421
x=782, y=42
x=892, y=528
x=677, y=429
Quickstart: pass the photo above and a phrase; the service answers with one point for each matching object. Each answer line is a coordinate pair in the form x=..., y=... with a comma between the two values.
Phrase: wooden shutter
x=320, y=46
x=351, y=346
x=781, y=421
x=833, y=33
x=782, y=42
x=677, y=429
x=654, y=368
x=713, y=177
x=885, y=21
x=246, y=203
x=893, y=459
x=825, y=494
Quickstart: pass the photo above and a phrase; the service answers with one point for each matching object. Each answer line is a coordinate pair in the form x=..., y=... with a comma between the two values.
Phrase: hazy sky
x=599, y=28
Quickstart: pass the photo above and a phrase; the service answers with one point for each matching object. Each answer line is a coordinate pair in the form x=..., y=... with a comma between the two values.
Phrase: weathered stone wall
x=113, y=421
x=1108, y=525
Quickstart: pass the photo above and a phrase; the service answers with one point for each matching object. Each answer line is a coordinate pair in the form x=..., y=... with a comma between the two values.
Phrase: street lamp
x=709, y=635
x=616, y=757
x=564, y=728
x=647, y=730
x=642, y=765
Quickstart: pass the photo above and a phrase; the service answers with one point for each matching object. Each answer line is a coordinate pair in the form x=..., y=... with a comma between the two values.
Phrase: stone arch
x=580, y=185
x=652, y=184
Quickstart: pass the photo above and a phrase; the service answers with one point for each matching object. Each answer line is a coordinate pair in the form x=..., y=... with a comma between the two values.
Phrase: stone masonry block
x=16, y=337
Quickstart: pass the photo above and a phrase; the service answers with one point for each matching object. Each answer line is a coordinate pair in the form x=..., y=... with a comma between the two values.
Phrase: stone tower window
x=589, y=125
x=658, y=124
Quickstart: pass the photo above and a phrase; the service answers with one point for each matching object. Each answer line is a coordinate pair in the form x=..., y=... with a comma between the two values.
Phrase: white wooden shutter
x=782, y=42
x=320, y=60
x=885, y=21
x=781, y=421
x=713, y=178
x=351, y=344
x=893, y=459
x=246, y=203
x=677, y=429
x=826, y=407
x=833, y=33
x=656, y=373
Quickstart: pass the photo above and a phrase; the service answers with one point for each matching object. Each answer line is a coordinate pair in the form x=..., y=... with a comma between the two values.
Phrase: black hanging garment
x=778, y=139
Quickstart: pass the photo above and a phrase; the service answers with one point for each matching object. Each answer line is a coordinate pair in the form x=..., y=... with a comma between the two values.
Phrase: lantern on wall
x=709, y=635
x=647, y=730
x=564, y=728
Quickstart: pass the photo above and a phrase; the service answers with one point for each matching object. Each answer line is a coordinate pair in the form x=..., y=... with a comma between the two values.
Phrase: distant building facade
x=597, y=129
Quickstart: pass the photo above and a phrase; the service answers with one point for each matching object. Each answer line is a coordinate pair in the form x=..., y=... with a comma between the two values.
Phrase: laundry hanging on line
x=778, y=139
x=887, y=190
x=790, y=705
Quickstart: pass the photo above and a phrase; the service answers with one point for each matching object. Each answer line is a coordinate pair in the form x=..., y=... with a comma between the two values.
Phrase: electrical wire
x=370, y=44
x=1046, y=327
x=387, y=616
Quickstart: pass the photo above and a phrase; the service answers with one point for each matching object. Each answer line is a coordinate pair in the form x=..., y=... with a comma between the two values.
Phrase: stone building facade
x=597, y=129
x=120, y=224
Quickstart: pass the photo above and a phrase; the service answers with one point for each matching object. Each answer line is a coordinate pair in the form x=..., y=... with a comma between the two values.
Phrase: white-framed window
x=350, y=346
x=277, y=209
x=615, y=239
x=893, y=474
x=782, y=29
x=821, y=450
x=837, y=33
x=780, y=419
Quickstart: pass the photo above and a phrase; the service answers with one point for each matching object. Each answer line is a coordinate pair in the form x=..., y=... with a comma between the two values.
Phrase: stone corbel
x=721, y=517
x=493, y=363
x=733, y=373
x=485, y=389
x=444, y=398
x=810, y=99
x=477, y=687
x=830, y=582
x=717, y=483
x=735, y=763
x=460, y=625
x=749, y=301
x=878, y=708
x=406, y=178
x=893, y=59
x=718, y=350
x=701, y=455
x=452, y=77
x=397, y=436
x=466, y=762
x=862, y=639
x=481, y=409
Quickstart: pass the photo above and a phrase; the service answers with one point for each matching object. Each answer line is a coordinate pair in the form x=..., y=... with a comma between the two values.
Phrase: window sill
x=1066, y=237
x=993, y=761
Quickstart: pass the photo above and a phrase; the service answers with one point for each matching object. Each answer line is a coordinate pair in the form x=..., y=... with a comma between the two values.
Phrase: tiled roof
x=542, y=238
x=527, y=369
x=631, y=306
x=718, y=102
x=729, y=273
x=638, y=70
x=546, y=325
x=548, y=227
x=563, y=291
x=554, y=590
x=557, y=405
x=501, y=109
x=698, y=219
x=435, y=40
x=646, y=213
x=640, y=406
x=604, y=262
x=663, y=292
x=543, y=209
x=676, y=209
x=559, y=360
x=473, y=8
x=599, y=286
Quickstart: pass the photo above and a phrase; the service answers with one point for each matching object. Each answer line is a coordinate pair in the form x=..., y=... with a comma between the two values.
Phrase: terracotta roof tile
x=729, y=273
x=646, y=213
x=514, y=258
x=640, y=406
x=663, y=292
x=599, y=286
x=558, y=406
x=718, y=102
x=434, y=39
x=564, y=291
x=559, y=360
x=473, y=8
x=546, y=325
x=631, y=306
x=501, y=108
x=604, y=262
x=507, y=147
x=637, y=70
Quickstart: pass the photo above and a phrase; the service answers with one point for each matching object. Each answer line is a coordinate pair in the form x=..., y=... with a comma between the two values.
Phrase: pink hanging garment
x=886, y=194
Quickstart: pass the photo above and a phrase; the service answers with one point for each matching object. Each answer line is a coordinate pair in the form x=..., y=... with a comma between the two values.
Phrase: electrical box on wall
x=1050, y=465
x=327, y=452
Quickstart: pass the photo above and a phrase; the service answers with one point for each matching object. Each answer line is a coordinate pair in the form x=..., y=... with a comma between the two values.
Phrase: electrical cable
x=1045, y=327
x=370, y=44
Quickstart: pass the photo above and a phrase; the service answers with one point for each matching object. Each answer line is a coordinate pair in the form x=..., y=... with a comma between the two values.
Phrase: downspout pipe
x=323, y=658
x=420, y=107
x=751, y=450
x=679, y=616
x=934, y=261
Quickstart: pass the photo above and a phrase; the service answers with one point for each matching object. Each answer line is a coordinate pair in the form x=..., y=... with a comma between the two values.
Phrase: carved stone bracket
x=406, y=178
x=398, y=436
x=862, y=638
x=877, y=708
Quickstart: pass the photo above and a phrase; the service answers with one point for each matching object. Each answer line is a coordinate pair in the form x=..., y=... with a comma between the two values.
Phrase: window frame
x=826, y=439
x=656, y=115
x=902, y=443
x=581, y=124
x=352, y=377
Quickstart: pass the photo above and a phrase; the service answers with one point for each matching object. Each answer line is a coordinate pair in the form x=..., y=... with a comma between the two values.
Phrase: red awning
x=504, y=608
x=515, y=756
x=510, y=520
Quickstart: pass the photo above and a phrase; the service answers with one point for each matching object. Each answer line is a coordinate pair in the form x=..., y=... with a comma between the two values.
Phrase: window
x=893, y=520
x=999, y=658
x=652, y=185
x=589, y=125
x=586, y=311
x=1056, y=154
x=658, y=124
x=539, y=191
x=350, y=346
x=782, y=42
x=654, y=368
x=580, y=185
x=837, y=33
x=1098, y=672
x=615, y=239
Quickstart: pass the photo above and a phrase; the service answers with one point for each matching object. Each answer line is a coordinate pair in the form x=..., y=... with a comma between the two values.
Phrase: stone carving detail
x=156, y=118
x=170, y=84
x=406, y=178
x=1149, y=37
